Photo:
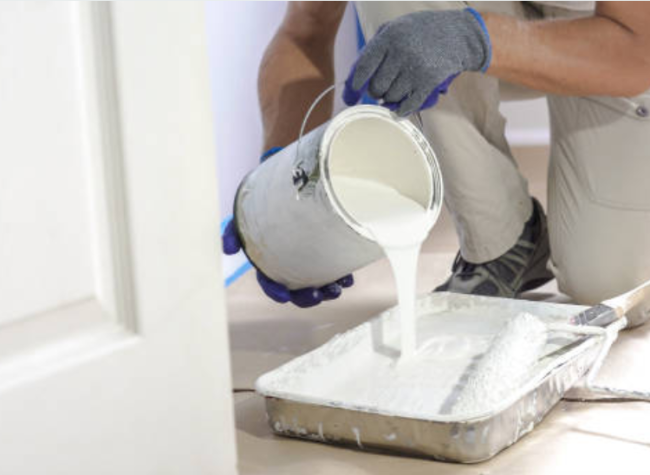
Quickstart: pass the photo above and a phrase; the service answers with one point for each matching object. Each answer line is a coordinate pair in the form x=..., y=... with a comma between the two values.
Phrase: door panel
x=113, y=341
x=44, y=215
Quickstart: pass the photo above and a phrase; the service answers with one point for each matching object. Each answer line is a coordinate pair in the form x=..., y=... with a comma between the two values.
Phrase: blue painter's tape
x=241, y=270
x=245, y=267
x=225, y=222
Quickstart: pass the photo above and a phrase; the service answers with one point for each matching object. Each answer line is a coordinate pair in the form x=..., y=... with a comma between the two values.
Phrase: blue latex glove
x=307, y=297
x=414, y=58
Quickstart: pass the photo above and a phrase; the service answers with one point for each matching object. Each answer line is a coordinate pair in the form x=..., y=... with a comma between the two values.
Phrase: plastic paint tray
x=298, y=405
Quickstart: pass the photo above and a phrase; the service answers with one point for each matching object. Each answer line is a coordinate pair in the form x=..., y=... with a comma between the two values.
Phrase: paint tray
x=344, y=392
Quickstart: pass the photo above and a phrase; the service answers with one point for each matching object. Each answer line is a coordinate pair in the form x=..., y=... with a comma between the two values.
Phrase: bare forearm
x=297, y=66
x=289, y=81
x=598, y=55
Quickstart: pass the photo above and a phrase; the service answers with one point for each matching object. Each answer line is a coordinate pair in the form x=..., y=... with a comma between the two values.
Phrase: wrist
x=484, y=38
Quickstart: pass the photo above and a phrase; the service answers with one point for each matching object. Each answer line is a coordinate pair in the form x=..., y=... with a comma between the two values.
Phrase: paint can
x=290, y=222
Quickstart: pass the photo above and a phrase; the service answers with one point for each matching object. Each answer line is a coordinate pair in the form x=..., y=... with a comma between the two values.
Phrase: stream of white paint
x=399, y=225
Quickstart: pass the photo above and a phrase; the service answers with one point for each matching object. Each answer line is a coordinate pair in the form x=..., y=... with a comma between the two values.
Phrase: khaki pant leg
x=484, y=191
x=599, y=196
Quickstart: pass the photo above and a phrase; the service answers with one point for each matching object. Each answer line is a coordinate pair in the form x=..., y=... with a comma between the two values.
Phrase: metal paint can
x=291, y=224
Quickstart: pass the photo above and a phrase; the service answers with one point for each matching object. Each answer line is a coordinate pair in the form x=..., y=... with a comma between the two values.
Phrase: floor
x=574, y=438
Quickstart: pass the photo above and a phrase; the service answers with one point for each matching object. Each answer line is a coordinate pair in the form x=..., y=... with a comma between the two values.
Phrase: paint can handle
x=300, y=176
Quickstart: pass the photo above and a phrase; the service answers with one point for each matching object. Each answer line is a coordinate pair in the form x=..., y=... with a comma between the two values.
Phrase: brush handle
x=627, y=301
x=610, y=310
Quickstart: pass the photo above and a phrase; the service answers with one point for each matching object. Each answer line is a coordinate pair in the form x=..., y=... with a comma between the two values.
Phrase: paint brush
x=612, y=309
x=603, y=314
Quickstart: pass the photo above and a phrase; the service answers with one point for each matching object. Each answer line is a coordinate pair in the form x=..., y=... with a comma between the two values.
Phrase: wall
x=527, y=122
x=239, y=31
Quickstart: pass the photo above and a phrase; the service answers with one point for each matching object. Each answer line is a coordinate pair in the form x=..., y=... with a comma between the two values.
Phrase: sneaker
x=520, y=269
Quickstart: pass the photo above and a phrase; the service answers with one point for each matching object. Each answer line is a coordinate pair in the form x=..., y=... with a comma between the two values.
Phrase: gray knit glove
x=413, y=59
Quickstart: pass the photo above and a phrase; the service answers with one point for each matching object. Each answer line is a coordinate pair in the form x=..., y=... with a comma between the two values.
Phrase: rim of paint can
x=423, y=159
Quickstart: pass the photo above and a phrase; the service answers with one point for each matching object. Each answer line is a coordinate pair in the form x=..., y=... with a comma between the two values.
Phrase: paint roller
x=510, y=355
x=519, y=345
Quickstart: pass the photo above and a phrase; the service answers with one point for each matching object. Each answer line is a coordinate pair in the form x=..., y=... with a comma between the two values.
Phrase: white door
x=113, y=343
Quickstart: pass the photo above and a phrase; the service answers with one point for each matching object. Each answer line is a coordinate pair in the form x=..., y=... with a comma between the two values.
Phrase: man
x=593, y=65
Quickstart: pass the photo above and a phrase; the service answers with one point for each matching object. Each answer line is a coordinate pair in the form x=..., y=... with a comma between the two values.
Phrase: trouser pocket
x=607, y=142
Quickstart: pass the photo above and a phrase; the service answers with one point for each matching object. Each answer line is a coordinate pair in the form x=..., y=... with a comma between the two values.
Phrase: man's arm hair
x=605, y=54
x=297, y=66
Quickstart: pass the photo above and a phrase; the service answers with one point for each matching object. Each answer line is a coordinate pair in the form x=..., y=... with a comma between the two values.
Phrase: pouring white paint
x=399, y=225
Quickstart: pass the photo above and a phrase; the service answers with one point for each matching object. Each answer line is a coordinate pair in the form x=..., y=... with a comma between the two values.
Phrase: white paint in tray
x=359, y=369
